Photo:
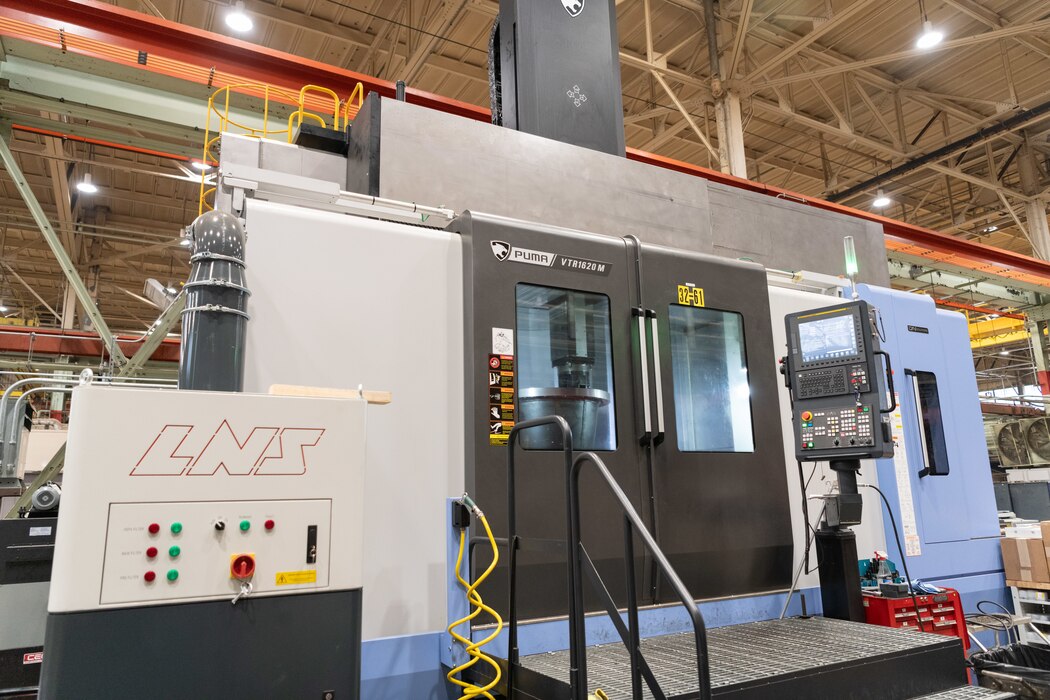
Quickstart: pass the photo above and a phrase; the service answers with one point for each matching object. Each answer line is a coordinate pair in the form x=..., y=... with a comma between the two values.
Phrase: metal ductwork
x=215, y=319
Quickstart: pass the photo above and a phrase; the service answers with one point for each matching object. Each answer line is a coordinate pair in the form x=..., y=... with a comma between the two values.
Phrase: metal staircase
x=814, y=658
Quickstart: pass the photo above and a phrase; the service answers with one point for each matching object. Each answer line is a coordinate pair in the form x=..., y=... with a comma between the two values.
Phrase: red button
x=151, y=552
x=268, y=524
x=242, y=567
x=154, y=528
x=149, y=576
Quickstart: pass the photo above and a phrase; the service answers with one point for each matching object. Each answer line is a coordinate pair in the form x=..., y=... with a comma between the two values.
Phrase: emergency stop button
x=242, y=566
x=807, y=416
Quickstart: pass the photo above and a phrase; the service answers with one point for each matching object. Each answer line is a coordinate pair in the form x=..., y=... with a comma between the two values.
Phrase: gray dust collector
x=215, y=318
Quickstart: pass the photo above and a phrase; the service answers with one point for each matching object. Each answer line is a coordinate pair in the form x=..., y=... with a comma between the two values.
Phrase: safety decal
x=294, y=578
x=500, y=416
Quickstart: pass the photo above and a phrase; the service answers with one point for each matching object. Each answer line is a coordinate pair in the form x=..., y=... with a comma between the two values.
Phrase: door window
x=564, y=364
x=934, y=447
x=712, y=397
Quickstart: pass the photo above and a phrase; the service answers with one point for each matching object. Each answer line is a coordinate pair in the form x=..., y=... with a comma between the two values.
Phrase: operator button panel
x=837, y=428
x=172, y=551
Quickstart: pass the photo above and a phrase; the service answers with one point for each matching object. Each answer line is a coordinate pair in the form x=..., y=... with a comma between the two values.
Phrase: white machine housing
x=281, y=474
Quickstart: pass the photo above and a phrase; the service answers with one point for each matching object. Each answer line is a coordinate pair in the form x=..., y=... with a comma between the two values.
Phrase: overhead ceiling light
x=930, y=37
x=990, y=229
x=171, y=289
x=186, y=242
x=3, y=308
x=200, y=165
x=86, y=185
x=1004, y=352
x=993, y=315
x=881, y=200
x=238, y=20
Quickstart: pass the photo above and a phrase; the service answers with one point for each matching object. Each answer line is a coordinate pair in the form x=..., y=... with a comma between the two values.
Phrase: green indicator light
x=176, y=528
x=851, y=257
x=173, y=574
x=245, y=525
x=174, y=551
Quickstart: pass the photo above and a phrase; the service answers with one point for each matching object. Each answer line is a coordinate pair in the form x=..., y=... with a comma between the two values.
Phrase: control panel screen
x=828, y=338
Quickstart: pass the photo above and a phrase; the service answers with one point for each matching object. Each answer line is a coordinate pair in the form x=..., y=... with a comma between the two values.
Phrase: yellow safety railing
x=313, y=103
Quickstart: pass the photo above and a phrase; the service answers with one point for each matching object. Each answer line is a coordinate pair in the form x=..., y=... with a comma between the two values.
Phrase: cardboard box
x=1025, y=559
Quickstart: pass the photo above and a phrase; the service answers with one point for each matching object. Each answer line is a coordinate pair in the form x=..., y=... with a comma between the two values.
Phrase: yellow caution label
x=294, y=578
x=690, y=295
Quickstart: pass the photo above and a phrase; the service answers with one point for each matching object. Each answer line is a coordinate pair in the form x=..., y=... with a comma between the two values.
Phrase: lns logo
x=183, y=450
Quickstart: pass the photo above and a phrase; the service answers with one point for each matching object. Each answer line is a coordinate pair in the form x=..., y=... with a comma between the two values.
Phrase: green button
x=245, y=525
x=176, y=528
x=174, y=551
x=173, y=574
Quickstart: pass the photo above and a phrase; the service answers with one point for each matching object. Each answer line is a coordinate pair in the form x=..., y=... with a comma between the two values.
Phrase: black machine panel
x=833, y=368
x=581, y=338
x=567, y=86
x=722, y=427
x=218, y=641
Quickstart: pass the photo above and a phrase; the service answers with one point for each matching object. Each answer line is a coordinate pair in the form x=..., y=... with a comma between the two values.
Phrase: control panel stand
x=837, y=387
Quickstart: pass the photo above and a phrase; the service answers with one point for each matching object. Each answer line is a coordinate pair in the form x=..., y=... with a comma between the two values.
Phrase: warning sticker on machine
x=503, y=341
x=912, y=543
x=500, y=418
x=294, y=578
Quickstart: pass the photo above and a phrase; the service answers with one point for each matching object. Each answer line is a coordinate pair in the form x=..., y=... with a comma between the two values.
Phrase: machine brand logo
x=33, y=657
x=183, y=450
x=573, y=7
x=505, y=251
x=500, y=249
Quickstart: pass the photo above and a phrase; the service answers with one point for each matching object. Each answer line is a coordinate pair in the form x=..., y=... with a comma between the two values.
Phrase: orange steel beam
x=45, y=341
x=978, y=309
x=100, y=142
x=103, y=24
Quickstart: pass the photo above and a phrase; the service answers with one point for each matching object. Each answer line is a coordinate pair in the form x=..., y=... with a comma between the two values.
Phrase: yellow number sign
x=688, y=295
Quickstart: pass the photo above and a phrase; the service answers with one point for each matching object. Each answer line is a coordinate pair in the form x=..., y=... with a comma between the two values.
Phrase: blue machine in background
x=947, y=514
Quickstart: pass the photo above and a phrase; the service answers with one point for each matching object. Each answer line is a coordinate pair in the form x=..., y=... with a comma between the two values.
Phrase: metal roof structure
x=834, y=94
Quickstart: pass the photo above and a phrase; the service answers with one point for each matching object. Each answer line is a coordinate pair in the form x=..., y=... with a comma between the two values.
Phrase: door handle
x=659, y=436
x=643, y=349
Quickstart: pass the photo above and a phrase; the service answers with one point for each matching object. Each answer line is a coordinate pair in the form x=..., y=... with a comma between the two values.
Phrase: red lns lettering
x=287, y=454
x=226, y=451
x=163, y=457
x=184, y=450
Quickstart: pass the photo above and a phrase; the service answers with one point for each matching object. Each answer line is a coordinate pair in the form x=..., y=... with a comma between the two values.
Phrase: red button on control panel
x=242, y=567
x=149, y=576
x=269, y=524
x=154, y=528
x=151, y=552
x=806, y=415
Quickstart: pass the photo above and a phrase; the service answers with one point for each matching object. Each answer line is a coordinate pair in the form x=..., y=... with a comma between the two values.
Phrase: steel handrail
x=633, y=524
x=577, y=638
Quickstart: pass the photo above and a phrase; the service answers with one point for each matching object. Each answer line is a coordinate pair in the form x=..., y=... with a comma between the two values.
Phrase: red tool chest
x=941, y=613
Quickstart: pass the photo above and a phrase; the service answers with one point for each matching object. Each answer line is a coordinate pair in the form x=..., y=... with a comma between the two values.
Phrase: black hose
x=904, y=559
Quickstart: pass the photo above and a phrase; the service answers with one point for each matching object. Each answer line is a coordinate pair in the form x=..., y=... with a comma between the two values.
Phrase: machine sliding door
x=548, y=319
x=720, y=501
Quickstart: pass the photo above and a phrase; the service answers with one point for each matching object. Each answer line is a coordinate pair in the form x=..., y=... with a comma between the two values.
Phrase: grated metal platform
x=969, y=692
x=816, y=658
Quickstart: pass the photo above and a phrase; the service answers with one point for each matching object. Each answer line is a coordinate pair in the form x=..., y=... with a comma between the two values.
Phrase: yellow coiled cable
x=474, y=648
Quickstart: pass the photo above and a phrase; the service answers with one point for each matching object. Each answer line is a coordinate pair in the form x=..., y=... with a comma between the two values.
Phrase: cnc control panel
x=832, y=428
x=838, y=385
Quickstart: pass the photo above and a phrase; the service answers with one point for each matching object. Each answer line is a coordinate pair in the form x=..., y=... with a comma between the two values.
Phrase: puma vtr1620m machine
x=834, y=373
